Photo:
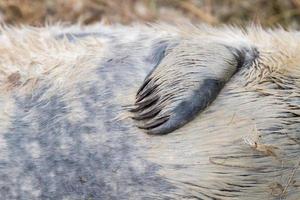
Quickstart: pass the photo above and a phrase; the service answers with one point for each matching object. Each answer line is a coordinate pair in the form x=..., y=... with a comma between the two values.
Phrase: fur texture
x=66, y=133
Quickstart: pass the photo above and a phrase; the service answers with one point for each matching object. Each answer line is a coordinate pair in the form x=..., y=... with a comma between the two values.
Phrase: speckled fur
x=65, y=131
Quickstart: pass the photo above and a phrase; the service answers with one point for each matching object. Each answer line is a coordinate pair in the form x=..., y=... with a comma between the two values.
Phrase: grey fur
x=47, y=153
x=80, y=170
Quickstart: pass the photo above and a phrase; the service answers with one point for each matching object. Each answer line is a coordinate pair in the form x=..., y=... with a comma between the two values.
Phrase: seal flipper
x=185, y=82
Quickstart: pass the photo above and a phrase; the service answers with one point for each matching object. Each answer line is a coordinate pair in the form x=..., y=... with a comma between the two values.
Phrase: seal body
x=66, y=131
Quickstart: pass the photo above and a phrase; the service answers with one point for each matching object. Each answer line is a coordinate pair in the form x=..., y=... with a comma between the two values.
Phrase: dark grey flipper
x=185, y=82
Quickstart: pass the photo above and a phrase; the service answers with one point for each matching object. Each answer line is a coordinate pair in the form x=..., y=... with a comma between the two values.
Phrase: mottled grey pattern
x=48, y=157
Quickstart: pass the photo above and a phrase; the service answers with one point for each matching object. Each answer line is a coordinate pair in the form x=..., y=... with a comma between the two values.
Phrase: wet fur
x=65, y=132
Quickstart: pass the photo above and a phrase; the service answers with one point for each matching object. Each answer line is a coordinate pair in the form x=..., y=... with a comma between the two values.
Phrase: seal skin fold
x=186, y=81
